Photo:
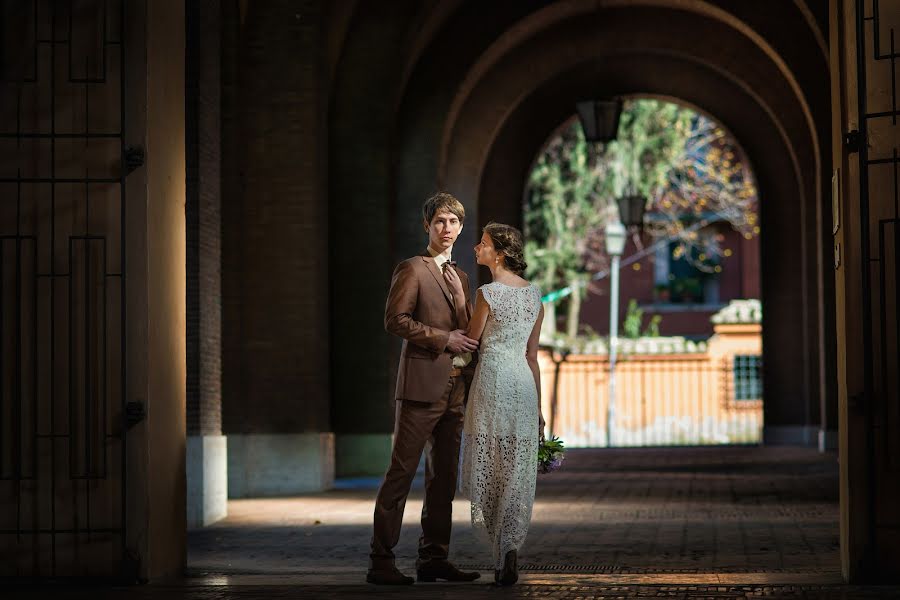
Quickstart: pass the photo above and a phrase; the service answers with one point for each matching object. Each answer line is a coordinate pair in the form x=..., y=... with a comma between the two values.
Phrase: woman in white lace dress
x=503, y=422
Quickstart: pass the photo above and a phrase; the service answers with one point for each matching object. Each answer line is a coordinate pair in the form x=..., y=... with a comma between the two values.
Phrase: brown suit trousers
x=437, y=425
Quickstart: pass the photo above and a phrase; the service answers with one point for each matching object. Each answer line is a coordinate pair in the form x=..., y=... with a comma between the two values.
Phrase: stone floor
x=663, y=523
x=634, y=511
x=553, y=587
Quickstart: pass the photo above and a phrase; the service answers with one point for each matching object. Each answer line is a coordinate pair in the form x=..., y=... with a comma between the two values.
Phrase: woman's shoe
x=510, y=573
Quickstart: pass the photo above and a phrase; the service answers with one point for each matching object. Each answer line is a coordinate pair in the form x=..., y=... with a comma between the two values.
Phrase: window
x=677, y=280
x=747, y=377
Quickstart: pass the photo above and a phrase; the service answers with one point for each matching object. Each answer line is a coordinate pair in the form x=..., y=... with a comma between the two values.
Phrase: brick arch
x=500, y=189
x=495, y=127
x=461, y=120
x=440, y=81
x=557, y=14
x=626, y=37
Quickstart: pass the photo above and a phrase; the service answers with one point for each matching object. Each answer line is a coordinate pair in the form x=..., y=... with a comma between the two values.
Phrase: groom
x=428, y=307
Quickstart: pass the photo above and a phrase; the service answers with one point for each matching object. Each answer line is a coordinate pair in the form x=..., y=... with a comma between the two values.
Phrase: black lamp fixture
x=631, y=209
x=599, y=119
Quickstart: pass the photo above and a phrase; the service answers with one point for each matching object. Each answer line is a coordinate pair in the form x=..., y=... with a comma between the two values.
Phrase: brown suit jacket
x=420, y=310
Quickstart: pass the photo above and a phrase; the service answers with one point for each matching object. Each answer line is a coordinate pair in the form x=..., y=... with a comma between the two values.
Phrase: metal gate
x=879, y=213
x=62, y=288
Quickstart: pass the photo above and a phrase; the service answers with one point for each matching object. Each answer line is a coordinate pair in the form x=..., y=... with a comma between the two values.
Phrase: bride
x=503, y=422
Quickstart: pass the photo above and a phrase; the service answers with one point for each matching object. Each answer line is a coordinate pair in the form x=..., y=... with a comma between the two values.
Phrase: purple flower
x=550, y=455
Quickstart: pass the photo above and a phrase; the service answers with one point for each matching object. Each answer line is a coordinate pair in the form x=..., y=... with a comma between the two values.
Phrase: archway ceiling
x=474, y=71
x=513, y=147
x=723, y=66
x=794, y=38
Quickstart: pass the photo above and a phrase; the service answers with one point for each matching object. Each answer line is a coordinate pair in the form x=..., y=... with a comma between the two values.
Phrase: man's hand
x=459, y=343
x=454, y=283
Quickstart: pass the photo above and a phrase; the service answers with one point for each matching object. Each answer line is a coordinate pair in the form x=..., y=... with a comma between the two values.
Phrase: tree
x=572, y=192
x=565, y=201
x=709, y=182
x=686, y=166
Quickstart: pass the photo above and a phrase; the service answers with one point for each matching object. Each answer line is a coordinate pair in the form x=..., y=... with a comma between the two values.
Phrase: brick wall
x=364, y=228
x=203, y=217
x=275, y=228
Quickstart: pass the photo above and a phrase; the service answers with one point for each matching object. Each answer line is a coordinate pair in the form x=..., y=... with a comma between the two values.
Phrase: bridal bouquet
x=550, y=454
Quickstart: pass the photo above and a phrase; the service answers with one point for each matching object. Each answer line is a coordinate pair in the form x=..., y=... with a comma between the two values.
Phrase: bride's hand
x=541, y=425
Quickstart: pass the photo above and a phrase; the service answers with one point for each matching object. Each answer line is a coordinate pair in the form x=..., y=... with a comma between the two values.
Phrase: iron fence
x=660, y=401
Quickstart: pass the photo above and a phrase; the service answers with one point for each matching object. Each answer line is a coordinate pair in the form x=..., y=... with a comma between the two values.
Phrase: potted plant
x=661, y=292
x=692, y=289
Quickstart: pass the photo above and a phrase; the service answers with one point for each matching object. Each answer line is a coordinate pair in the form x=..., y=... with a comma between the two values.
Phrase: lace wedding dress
x=500, y=431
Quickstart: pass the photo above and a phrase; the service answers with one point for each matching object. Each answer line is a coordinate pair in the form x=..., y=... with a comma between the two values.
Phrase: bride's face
x=485, y=254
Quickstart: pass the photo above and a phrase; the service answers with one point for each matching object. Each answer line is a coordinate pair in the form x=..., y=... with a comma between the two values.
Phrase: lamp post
x=615, y=244
x=600, y=123
x=631, y=210
x=599, y=119
x=630, y=217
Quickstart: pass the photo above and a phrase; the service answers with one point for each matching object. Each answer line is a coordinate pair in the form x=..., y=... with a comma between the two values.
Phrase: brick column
x=276, y=357
x=206, y=446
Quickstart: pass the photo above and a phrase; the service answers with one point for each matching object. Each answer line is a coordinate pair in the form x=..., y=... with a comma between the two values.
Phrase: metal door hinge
x=854, y=140
x=134, y=158
x=134, y=413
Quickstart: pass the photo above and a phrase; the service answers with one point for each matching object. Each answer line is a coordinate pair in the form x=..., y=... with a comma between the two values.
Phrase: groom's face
x=443, y=230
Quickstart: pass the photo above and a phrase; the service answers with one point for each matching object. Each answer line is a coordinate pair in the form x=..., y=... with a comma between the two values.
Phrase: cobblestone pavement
x=630, y=511
x=688, y=524
x=568, y=590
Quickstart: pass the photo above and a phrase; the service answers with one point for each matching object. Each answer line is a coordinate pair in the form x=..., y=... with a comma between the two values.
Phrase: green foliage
x=683, y=164
x=652, y=137
x=550, y=446
x=652, y=329
x=634, y=317
x=563, y=205
x=687, y=289
x=574, y=184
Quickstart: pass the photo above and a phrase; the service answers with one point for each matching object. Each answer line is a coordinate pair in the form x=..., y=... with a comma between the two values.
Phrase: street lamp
x=599, y=119
x=615, y=244
x=631, y=210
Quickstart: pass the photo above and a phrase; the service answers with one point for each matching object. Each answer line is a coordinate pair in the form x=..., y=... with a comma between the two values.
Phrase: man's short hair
x=442, y=201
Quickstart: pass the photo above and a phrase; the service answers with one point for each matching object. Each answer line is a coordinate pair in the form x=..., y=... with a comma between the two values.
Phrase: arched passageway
x=327, y=115
x=688, y=316
x=480, y=141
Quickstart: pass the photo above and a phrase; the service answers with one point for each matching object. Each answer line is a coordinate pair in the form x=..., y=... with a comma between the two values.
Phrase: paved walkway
x=684, y=524
x=634, y=511
x=553, y=587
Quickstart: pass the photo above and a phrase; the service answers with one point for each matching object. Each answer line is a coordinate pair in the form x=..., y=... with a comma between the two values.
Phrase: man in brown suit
x=428, y=306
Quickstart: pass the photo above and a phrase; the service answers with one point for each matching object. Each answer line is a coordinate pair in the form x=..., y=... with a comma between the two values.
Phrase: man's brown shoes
x=390, y=576
x=443, y=569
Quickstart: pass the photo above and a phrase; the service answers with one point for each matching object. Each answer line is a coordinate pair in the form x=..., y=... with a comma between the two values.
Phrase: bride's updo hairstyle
x=508, y=240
